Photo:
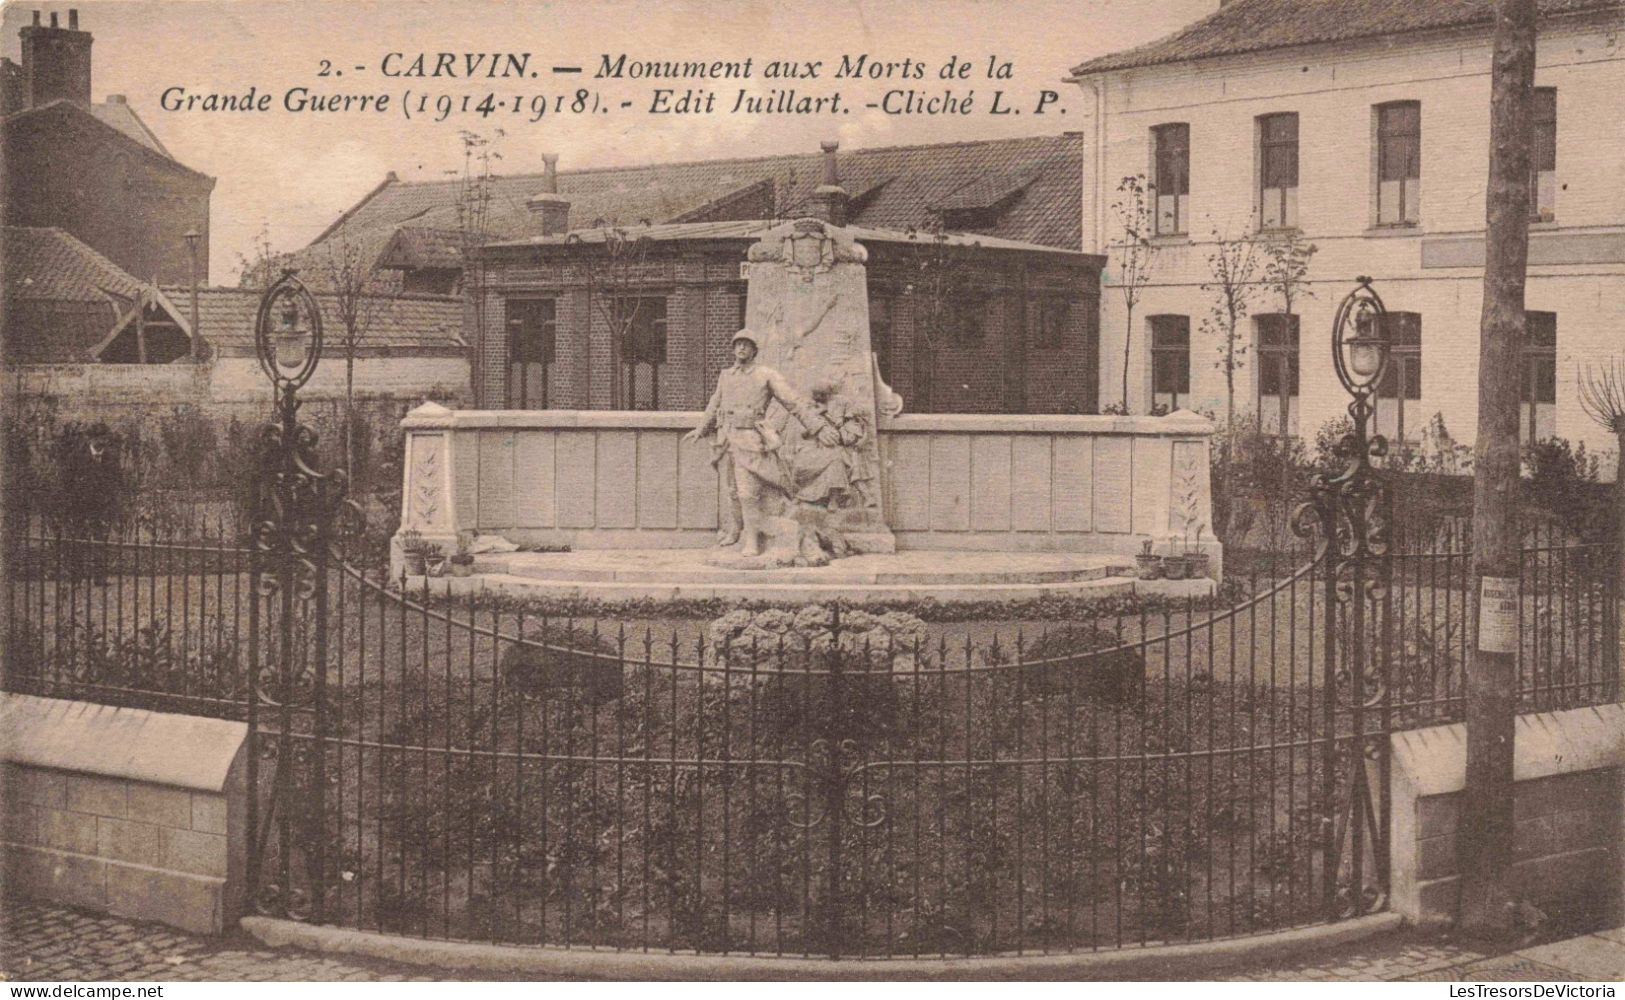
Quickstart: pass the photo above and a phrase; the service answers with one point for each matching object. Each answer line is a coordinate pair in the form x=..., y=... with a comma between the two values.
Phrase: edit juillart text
x=1539, y=990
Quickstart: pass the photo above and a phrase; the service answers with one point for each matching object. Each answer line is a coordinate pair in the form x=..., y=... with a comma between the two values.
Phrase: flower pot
x=462, y=568
x=435, y=565
x=1196, y=565
x=1148, y=567
x=1174, y=567
x=413, y=562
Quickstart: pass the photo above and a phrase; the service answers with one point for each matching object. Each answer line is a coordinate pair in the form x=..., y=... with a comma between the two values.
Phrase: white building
x=1365, y=125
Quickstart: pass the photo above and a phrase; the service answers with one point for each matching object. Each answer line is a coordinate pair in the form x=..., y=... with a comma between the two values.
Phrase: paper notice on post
x=1498, y=614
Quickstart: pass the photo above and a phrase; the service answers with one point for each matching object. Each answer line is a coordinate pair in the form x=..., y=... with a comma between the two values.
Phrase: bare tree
x=361, y=293
x=257, y=270
x=1286, y=267
x=1285, y=274
x=1231, y=265
x=617, y=271
x=1602, y=397
x=1486, y=857
x=1135, y=209
x=474, y=196
x=936, y=285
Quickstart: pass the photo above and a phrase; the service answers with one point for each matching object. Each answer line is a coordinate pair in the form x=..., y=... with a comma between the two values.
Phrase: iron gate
x=819, y=781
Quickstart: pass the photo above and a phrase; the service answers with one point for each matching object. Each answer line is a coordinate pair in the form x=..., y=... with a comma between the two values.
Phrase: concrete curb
x=1174, y=961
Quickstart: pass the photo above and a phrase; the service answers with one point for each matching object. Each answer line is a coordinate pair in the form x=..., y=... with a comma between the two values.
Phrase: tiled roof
x=1257, y=25
x=421, y=247
x=400, y=323
x=50, y=264
x=898, y=187
x=750, y=229
x=118, y=114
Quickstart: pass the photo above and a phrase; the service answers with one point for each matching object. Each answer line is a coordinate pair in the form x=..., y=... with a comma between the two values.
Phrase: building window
x=1278, y=171
x=1543, y=157
x=1170, y=361
x=967, y=322
x=1399, y=163
x=1539, y=411
x=1172, y=159
x=880, y=326
x=1401, y=381
x=1277, y=373
x=1049, y=329
x=642, y=322
x=532, y=326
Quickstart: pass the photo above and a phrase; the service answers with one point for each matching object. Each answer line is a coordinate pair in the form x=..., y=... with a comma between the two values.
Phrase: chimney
x=829, y=200
x=55, y=61
x=549, y=207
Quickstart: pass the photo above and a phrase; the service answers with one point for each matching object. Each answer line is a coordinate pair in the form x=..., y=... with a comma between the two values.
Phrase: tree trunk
x=1128, y=342
x=349, y=409
x=1485, y=851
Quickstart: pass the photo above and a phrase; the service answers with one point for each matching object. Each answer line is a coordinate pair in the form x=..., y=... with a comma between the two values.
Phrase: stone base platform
x=684, y=574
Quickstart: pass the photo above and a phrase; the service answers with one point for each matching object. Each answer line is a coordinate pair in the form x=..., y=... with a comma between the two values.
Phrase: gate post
x=292, y=531
x=1348, y=509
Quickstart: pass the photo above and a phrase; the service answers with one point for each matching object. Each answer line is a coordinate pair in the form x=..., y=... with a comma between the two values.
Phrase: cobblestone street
x=53, y=944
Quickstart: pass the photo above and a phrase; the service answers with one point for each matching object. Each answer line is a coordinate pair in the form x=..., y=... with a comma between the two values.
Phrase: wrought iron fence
x=826, y=781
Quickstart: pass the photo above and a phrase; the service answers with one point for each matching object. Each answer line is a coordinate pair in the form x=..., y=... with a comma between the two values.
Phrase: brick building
x=592, y=320
x=976, y=242
x=1364, y=126
x=94, y=170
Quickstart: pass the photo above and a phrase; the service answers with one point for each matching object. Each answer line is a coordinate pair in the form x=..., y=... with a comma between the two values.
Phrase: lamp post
x=299, y=514
x=1347, y=513
x=192, y=237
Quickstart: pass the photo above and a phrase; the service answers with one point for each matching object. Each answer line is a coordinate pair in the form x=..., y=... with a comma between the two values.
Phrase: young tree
x=1231, y=265
x=1486, y=857
x=475, y=185
x=257, y=270
x=1135, y=209
x=936, y=280
x=1285, y=275
x=361, y=293
x=616, y=273
x=1602, y=397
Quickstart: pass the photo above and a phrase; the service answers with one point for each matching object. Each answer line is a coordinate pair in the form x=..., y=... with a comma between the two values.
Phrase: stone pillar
x=808, y=301
x=430, y=484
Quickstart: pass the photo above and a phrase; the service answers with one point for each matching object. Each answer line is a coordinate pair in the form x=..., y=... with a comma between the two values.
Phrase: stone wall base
x=125, y=811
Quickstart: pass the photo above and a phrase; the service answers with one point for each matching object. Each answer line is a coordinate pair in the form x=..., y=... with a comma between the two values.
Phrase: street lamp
x=1360, y=341
x=288, y=333
x=192, y=237
x=291, y=343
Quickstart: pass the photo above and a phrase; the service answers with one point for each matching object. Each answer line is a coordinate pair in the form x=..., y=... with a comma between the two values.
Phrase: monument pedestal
x=808, y=303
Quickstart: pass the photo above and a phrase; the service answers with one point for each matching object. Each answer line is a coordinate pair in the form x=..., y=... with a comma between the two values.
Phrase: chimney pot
x=73, y=19
x=831, y=169
x=36, y=19
x=829, y=200
x=53, y=18
x=551, y=209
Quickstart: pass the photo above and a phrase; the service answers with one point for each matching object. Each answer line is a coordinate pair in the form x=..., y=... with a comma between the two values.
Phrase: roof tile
x=1258, y=25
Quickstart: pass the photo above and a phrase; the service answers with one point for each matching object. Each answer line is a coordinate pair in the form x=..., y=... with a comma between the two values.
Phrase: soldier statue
x=747, y=444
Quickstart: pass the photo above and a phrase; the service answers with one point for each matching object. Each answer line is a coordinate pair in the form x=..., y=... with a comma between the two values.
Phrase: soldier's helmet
x=748, y=337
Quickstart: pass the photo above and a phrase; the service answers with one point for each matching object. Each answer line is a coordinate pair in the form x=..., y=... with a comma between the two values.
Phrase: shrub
x=1560, y=484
